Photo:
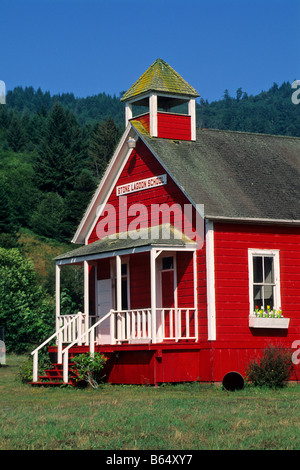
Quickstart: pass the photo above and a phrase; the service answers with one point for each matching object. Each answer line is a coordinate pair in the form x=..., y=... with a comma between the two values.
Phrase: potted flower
x=268, y=318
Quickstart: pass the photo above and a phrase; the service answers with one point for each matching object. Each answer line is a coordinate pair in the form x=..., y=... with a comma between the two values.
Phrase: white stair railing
x=71, y=326
x=68, y=325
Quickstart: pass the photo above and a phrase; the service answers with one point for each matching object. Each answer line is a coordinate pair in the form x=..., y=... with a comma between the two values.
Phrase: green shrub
x=25, y=369
x=272, y=369
x=26, y=312
x=89, y=368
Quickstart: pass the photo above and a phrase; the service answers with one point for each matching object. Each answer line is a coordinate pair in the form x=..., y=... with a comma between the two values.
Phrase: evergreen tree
x=77, y=201
x=56, y=162
x=16, y=136
x=7, y=224
x=48, y=219
x=102, y=145
x=5, y=117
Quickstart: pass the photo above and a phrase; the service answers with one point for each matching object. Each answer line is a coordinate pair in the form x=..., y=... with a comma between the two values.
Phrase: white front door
x=166, y=294
x=104, y=305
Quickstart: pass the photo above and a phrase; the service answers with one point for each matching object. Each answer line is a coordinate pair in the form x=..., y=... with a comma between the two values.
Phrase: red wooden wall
x=145, y=120
x=185, y=280
x=169, y=126
x=173, y=126
x=235, y=343
x=232, y=278
x=140, y=292
x=142, y=165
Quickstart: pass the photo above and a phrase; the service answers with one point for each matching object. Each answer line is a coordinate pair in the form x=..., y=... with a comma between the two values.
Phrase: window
x=167, y=263
x=264, y=288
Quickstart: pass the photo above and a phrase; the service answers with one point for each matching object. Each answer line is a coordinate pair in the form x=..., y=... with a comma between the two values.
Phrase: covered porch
x=137, y=291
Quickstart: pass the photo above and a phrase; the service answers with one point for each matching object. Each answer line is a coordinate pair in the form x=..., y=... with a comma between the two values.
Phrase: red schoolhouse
x=190, y=246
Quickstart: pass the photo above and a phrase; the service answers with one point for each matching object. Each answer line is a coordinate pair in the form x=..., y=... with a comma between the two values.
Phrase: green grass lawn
x=178, y=417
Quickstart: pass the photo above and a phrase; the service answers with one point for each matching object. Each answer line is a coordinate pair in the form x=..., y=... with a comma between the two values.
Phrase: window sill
x=266, y=322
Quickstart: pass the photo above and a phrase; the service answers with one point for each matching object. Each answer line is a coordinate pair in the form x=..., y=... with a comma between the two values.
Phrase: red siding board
x=169, y=126
x=145, y=120
x=232, y=279
x=172, y=126
x=185, y=280
x=178, y=362
x=140, y=294
x=103, y=269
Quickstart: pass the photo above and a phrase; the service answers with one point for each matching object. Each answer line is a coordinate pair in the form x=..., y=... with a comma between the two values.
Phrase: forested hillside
x=269, y=112
x=53, y=151
x=49, y=167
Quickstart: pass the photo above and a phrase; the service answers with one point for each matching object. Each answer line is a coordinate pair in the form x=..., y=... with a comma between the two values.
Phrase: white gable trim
x=105, y=187
x=109, y=182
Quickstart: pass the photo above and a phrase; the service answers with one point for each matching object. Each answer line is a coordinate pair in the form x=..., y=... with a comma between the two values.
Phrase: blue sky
x=94, y=46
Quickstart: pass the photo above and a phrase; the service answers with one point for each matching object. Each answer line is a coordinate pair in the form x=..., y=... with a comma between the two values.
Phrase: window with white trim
x=264, y=279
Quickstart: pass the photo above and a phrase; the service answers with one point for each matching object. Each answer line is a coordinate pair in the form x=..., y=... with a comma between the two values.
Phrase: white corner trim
x=210, y=280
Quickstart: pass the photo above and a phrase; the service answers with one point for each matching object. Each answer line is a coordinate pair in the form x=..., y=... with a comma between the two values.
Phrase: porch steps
x=54, y=376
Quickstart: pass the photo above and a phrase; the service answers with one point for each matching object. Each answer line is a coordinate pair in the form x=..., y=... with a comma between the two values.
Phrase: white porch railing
x=132, y=326
x=171, y=324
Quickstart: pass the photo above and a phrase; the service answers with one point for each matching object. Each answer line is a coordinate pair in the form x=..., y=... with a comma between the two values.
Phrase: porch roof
x=163, y=236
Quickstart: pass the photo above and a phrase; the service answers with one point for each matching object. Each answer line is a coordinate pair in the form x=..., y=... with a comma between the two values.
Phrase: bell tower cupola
x=163, y=102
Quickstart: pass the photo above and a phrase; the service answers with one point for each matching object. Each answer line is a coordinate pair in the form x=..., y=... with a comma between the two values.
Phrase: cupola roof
x=162, y=79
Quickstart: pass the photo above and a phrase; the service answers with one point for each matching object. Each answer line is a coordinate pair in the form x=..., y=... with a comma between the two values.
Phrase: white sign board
x=140, y=185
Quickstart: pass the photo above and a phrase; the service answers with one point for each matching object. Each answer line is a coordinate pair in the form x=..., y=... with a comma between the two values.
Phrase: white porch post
x=119, y=295
x=195, y=292
x=86, y=297
x=119, y=282
x=177, y=314
x=57, y=295
x=153, y=293
x=57, y=313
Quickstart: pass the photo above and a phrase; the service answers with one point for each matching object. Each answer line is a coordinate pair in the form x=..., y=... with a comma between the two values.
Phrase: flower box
x=268, y=322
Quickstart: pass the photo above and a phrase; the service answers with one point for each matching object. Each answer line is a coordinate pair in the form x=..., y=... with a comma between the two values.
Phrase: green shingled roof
x=161, y=235
x=160, y=77
x=234, y=174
